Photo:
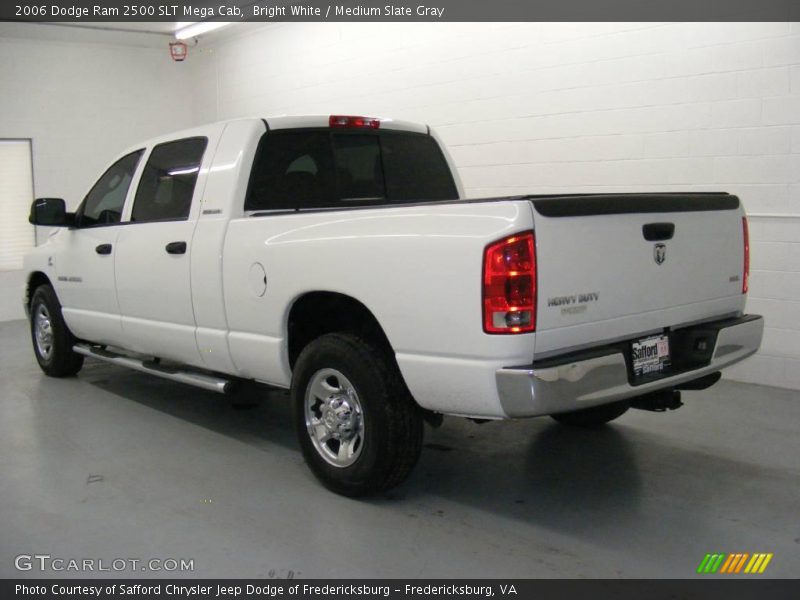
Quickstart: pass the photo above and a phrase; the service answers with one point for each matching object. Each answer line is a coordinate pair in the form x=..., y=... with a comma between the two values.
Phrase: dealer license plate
x=650, y=356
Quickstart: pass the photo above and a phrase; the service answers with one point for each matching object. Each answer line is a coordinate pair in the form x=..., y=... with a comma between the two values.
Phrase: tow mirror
x=51, y=212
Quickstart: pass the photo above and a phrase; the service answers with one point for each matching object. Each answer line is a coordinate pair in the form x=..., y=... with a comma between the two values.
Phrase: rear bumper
x=602, y=376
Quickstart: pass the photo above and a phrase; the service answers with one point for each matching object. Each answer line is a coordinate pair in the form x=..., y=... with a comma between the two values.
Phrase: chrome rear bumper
x=583, y=382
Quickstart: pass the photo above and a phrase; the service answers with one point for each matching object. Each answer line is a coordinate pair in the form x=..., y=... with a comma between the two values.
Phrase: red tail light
x=509, y=285
x=354, y=122
x=746, y=269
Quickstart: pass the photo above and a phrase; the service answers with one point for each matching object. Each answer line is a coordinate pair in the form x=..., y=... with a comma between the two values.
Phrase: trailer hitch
x=658, y=401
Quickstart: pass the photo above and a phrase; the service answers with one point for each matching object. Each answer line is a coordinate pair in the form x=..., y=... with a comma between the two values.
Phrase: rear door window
x=167, y=183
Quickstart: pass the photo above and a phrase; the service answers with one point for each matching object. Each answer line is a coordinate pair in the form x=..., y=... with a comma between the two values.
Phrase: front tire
x=359, y=429
x=594, y=416
x=52, y=339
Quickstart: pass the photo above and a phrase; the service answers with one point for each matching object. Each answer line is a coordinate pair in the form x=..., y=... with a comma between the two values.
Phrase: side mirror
x=51, y=212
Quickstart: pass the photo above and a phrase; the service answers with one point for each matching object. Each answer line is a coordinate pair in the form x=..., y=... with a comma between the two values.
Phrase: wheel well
x=36, y=279
x=318, y=313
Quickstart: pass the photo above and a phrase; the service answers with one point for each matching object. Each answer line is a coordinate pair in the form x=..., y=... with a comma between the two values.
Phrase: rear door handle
x=103, y=249
x=657, y=232
x=176, y=248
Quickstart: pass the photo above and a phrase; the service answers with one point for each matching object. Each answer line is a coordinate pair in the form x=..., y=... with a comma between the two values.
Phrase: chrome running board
x=197, y=379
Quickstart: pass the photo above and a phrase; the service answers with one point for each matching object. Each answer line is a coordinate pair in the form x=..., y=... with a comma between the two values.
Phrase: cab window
x=322, y=168
x=167, y=184
x=104, y=202
x=295, y=169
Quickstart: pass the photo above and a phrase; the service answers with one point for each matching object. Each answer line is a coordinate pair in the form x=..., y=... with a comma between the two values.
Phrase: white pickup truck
x=335, y=256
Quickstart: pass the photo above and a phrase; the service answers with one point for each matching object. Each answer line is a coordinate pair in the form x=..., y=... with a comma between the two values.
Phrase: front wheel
x=52, y=339
x=359, y=429
x=593, y=416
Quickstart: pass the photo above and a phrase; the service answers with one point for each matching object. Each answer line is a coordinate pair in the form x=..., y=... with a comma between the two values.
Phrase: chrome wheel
x=334, y=418
x=43, y=331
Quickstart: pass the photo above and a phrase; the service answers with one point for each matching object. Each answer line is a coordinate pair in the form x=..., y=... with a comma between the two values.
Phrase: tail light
x=509, y=285
x=746, y=268
x=354, y=122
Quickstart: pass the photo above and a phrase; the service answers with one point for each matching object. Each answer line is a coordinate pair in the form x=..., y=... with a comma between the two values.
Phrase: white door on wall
x=16, y=194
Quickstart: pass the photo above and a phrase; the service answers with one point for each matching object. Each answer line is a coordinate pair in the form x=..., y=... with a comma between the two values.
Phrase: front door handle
x=176, y=248
x=103, y=249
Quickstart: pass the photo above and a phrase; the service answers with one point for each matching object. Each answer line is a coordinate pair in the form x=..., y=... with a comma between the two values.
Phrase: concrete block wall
x=544, y=108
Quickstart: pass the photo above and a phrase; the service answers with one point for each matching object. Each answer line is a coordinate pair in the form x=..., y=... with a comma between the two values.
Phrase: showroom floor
x=117, y=464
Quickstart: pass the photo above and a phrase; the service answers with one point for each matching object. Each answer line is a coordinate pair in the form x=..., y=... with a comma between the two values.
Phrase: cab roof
x=293, y=122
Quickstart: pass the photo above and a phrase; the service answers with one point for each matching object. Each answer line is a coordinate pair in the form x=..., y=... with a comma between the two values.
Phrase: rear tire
x=594, y=416
x=358, y=426
x=52, y=339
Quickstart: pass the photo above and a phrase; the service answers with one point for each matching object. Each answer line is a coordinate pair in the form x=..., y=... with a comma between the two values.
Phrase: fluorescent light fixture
x=189, y=30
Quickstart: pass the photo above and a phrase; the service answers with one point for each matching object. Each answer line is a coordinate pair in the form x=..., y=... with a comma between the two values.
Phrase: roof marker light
x=354, y=122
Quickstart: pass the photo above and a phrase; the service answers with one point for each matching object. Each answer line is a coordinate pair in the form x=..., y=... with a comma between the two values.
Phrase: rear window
x=415, y=169
x=321, y=168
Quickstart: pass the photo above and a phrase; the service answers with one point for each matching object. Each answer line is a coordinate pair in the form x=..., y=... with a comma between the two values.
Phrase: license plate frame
x=651, y=356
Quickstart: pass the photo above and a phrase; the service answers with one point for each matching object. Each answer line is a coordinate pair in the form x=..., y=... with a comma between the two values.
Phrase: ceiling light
x=189, y=30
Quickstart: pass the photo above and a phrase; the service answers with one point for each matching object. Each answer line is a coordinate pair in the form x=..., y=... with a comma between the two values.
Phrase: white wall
x=557, y=107
x=82, y=97
x=82, y=101
x=11, y=285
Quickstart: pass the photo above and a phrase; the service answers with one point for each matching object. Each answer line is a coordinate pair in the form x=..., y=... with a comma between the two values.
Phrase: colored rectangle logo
x=735, y=563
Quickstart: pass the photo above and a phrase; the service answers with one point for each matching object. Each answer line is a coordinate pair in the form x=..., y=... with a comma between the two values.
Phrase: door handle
x=103, y=249
x=176, y=248
x=658, y=232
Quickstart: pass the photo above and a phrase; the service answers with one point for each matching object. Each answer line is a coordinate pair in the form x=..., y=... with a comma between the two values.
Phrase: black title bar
x=733, y=588
x=400, y=10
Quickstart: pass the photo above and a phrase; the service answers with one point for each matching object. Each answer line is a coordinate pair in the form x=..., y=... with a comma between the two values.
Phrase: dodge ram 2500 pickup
x=336, y=257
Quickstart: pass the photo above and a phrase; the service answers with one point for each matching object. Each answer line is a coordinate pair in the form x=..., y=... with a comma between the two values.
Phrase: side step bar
x=201, y=380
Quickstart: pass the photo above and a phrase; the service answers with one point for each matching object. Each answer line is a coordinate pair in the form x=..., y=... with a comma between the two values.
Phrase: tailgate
x=612, y=267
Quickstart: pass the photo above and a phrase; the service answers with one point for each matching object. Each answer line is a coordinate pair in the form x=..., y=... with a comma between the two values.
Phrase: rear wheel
x=359, y=429
x=52, y=340
x=593, y=416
